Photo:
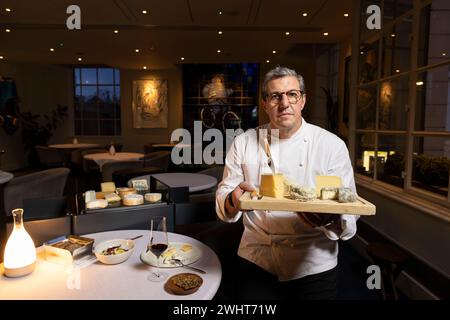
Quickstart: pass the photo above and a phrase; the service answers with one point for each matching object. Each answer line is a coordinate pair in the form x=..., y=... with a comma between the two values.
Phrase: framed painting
x=150, y=104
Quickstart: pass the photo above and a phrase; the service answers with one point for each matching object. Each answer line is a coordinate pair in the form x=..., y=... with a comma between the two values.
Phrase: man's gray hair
x=280, y=72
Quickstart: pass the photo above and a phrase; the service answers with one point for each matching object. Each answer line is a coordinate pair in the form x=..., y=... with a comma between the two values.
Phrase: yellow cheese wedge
x=186, y=248
x=169, y=252
x=327, y=181
x=272, y=185
x=108, y=187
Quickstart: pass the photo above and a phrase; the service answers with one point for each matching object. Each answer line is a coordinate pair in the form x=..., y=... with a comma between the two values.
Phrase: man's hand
x=317, y=220
x=235, y=195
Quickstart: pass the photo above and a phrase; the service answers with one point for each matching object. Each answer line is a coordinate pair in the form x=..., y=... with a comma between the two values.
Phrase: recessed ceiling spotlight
x=144, y=11
x=8, y=30
x=444, y=54
x=220, y=13
x=287, y=33
x=219, y=51
x=52, y=49
x=274, y=51
x=362, y=52
x=345, y=14
x=7, y=9
x=419, y=83
x=144, y=67
x=305, y=14
x=116, y=31
x=137, y=50
x=182, y=58
x=393, y=35
x=397, y=71
x=325, y=33
x=80, y=59
x=219, y=32
x=267, y=61
x=1, y=57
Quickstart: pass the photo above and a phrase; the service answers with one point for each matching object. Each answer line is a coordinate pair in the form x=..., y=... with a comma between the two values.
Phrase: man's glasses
x=292, y=95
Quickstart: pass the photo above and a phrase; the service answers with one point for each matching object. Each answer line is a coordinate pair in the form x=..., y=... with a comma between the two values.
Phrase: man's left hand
x=317, y=219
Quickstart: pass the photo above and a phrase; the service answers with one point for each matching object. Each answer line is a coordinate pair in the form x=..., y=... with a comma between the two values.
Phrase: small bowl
x=114, y=258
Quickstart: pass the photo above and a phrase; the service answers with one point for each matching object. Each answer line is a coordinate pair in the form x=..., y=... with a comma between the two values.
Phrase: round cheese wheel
x=133, y=199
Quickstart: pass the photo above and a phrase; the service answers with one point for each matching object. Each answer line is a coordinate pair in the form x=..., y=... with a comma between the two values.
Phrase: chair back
x=50, y=156
x=34, y=187
x=110, y=167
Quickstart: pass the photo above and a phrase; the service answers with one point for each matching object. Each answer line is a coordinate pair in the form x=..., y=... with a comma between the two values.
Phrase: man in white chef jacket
x=286, y=254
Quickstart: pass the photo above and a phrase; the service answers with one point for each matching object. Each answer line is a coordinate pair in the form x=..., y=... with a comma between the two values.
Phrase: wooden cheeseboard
x=360, y=207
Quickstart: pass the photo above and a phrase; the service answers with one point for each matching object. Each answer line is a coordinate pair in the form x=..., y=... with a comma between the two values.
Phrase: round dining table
x=73, y=145
x=104, y=157
x=89, y=279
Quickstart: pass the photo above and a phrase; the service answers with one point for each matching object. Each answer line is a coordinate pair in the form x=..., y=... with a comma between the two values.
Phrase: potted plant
x=34, y=133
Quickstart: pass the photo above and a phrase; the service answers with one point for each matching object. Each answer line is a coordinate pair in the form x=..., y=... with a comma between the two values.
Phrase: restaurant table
x=73, y=145
x=102, y=158
x=195, y=181
x=128, y=280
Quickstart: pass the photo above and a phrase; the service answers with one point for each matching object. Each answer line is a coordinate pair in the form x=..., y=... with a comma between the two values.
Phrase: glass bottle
x=20, y=252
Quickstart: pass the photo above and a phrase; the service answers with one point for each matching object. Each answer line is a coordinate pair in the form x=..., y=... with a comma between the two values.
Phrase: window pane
x=89, y=95
x=106, y=94
x=431, y=162
x=117, y=93
x=397, y=48
x=391, y=162
x=393, y=101
x=117, y=76
x=105, y=76
x=118, y=128
x=107, y=127
x=90, y=127
x=76, y=73
x=365, y=154
x=78, y=128
x=366, y=108
x=89, y=76
x=434, y=38
x=395, y=8
x=368, y=62
x=433, y=100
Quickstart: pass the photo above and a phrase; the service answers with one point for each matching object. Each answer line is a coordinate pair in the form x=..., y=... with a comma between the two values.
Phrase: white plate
x=173, y=251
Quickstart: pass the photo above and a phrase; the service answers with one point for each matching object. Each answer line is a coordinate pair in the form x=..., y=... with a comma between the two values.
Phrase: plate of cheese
x=186, y=252
x=277, y=193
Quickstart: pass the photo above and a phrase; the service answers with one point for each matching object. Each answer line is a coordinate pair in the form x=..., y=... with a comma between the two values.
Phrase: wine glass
x=158, y=244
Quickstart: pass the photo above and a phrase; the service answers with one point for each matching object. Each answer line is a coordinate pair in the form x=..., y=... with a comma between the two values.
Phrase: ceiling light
x=8, y=30
x=137, y=50
x=220, y=12
x=419, y=83
x=325, y=33
x=397, y=71
x=444, y=54
x=182, y=58
x=144, y=67
x=7, y=9
x=305, y=14
x=144, y=11
x=287, y=33
x=393, y=35
x=52, y=49
x=345, y=14
x=219, y=51
x=274, y=51
x=80, y=59
x=220, y=32
x=267, y=61
x=116, y=31
x=1, y=57
x=362, y=52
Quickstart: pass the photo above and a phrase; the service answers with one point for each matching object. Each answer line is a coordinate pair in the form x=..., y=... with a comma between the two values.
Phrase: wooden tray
x=360, y=207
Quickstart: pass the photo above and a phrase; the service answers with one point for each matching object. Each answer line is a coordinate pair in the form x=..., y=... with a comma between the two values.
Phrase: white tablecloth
x=102, y=158
x=127, y=280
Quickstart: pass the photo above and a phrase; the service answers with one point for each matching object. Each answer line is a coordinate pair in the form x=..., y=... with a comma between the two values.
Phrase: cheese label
x=327, y=181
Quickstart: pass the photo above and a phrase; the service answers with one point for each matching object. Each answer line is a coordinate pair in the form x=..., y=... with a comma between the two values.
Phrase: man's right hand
x=235, y=195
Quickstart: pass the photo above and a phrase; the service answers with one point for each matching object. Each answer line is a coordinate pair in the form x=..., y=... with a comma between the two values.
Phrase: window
x=97, y=102
x=402, y=119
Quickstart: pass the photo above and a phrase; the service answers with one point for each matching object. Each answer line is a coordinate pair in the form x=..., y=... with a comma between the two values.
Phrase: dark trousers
x=254, y=283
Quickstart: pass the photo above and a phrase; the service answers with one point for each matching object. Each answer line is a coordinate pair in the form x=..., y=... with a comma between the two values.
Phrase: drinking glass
x=157, y=245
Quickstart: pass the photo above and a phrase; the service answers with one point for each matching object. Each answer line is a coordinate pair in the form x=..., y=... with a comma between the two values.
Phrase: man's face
x=284, y=103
